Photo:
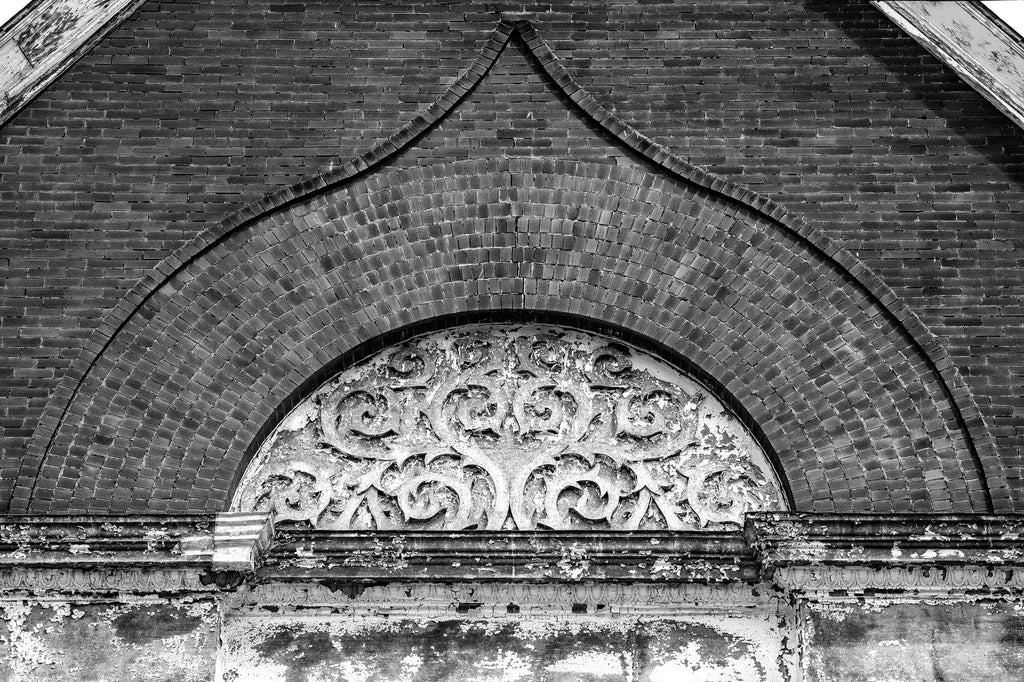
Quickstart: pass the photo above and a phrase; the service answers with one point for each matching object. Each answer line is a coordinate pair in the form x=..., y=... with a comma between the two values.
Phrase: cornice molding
x=121, y=553
x=823, y=557
x=981, y=49
x=840, y=583
x=501, y=599
x=932, y=555
x=784, y=539
x=531, y=556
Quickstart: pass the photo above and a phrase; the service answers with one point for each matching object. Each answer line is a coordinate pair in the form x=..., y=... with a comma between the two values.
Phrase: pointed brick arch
x=861, y=405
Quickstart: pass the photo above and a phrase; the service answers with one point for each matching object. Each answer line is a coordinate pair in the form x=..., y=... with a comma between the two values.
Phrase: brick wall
x=188, y=111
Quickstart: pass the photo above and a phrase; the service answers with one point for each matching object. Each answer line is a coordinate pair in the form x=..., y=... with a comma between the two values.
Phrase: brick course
x=185, y=388
x=251, y=100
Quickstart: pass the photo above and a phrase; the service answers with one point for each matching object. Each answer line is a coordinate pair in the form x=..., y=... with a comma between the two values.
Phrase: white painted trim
x=45, y=39
x=973, y=43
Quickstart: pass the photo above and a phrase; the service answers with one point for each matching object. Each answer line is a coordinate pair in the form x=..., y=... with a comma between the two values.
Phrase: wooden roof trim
x=980, y=48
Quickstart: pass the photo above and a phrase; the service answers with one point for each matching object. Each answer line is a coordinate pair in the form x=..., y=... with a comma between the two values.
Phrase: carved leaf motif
x=479, y=405
x=503, y=426
x=610, y=365
x=574, y=491
x=421, y=492
x=548, y=408
x=664, y=418
x=353, y=412
x=720, y=492
x=293, y=492
x=410, y=366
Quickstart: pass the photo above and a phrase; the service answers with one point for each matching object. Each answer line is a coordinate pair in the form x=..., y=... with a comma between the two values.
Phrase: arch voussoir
x=852, y=414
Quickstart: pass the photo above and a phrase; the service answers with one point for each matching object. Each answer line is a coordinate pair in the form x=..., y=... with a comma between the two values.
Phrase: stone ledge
x=496, y=599
x=149, y=553
x=893, y=555
x=833, y=555
x=782, y=539
x=531, y=556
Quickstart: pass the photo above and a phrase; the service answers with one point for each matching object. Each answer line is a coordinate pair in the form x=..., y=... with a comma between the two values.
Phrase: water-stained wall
x=584, y=647
x=928, y=642
x=195, y=640
x=154, y=640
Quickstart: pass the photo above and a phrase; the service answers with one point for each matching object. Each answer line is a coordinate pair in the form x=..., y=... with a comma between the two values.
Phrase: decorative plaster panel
x=510, y=427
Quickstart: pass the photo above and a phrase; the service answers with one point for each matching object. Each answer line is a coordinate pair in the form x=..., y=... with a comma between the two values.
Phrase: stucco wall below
x=154, y=640
x=568, y=649
x=925, y=642
x=185, y=639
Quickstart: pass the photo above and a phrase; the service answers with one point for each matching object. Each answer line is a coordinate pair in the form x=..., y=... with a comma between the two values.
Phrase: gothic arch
x=859, y=402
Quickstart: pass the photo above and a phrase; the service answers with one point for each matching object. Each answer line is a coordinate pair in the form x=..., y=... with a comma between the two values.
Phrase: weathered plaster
x=574, y=647
x=964, y=642
x=536, y=631
x=429, y=632
x=147, y=640
x=794, y=597
x=504, y=427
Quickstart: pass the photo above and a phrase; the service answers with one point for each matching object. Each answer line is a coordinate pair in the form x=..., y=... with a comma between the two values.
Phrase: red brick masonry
x=440, y=223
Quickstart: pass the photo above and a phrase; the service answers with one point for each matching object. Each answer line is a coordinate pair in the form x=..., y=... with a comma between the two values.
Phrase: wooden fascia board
x=986, y=53
x=47, y=37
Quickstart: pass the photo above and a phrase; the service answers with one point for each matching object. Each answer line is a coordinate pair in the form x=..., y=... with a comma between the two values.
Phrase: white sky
x=1011, y=11
x=8, y=8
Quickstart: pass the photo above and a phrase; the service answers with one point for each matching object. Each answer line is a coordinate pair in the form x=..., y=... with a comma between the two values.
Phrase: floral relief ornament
x=504, y=426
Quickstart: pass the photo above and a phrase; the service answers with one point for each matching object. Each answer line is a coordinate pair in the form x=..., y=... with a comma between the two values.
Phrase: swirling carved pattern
x=510, y=427
x=293, y=491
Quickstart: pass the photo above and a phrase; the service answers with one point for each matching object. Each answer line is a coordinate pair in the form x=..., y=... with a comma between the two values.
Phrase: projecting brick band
x=854, y=416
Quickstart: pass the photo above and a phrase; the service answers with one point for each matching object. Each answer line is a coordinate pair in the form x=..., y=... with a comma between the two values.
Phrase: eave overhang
x=986, y=53
x=45, y=39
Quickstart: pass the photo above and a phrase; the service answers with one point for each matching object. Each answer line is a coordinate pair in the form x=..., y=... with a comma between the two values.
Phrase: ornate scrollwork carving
x=357, y=413
x=510, y=427
x=293, y=491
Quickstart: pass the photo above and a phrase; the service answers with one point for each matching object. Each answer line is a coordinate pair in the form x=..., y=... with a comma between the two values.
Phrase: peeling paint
x=510, y=649
x=929, y=643
x=147, y=641
x=387, y=556
x=869, y=638
x=26, y=650
x=575, y=562
x=664, y=568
